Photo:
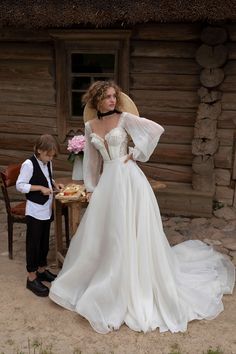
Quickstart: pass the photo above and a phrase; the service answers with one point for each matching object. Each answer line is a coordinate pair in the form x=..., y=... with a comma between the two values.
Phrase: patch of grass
x=175, y=349
x=214, y=351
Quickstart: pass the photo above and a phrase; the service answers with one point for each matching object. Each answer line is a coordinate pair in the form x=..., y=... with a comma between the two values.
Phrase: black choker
x=100, y=115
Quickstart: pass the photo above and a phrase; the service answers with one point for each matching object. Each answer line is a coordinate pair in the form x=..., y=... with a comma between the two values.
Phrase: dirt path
x=26, y=318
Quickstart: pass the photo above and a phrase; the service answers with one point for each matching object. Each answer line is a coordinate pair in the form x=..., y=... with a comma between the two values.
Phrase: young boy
x=35, y=180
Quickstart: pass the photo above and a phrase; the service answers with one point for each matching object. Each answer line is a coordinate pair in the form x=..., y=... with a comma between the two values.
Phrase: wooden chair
x=16, y=213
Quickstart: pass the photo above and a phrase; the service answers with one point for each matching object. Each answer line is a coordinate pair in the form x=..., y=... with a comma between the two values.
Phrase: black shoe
x=46, y=276
x=37, y=287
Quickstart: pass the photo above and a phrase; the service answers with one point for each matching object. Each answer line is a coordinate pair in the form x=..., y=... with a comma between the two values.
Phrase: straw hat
x=125, y=105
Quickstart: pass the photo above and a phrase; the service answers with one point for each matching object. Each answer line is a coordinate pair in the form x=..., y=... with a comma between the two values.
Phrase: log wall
x=164, y=79
x=27, y=97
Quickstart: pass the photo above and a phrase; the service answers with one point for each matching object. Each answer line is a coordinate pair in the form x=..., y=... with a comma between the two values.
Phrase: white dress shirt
x=37, y=211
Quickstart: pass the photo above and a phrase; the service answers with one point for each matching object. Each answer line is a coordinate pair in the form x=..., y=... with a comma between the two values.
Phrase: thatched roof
x=105, y=13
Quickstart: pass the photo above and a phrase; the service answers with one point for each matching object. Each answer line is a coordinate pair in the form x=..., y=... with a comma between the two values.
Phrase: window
x=81, y=58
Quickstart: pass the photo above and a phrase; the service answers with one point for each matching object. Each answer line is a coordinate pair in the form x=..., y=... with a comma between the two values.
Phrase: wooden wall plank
x=147, y=81
x=226, y=136
x=168, y=32
x=227, y=119
x=26, y=69
x=179, y=135
x=22, y=51
x=22, y=35
x=25, y=95
x=160, y=49
x=171, y=153
x=164, y=66
x=178, y=101
x=28, y=109
x=223, y=157
x=164, y=172
x=168, y=118
x=229, y=101
x=35, y=125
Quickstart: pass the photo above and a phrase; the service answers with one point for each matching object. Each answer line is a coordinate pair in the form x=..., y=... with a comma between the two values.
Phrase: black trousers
x=37, y=243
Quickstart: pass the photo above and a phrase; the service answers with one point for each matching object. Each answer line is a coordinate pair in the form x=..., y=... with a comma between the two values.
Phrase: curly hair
x=97, y=91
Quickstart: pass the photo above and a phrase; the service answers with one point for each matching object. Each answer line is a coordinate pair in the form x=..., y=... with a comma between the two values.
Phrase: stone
x=227, y=213
x=212, y=242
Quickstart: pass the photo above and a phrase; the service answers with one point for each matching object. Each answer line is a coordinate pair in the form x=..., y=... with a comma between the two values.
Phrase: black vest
x=38, y=178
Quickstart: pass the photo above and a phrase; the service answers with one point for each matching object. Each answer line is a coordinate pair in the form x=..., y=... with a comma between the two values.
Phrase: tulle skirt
x=120, y=267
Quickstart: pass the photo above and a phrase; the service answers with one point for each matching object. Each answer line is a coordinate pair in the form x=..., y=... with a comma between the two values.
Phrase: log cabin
x=176, y=60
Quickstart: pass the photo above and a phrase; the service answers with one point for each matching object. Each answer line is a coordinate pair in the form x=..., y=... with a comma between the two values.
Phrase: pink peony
x=76, y=144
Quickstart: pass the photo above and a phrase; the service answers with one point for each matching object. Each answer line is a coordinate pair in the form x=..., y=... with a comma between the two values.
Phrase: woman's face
x=108, y=103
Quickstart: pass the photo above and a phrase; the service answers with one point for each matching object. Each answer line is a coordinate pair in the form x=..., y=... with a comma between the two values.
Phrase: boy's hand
x=59, y=186
x=45, y=190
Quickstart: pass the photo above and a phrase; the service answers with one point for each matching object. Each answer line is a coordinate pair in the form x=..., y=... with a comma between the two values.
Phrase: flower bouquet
x=76, y=147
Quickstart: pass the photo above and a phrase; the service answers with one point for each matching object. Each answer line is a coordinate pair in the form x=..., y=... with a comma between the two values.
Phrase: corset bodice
x=113, y=146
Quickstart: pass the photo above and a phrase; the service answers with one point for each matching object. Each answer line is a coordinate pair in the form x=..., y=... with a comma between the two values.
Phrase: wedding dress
x=120, y=267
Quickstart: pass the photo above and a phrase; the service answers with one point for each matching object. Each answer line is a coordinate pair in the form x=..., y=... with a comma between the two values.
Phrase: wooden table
x=74, y=213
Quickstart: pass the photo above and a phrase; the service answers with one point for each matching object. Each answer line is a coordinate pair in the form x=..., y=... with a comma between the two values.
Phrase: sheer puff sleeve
x=92, y=162
x=145, y=135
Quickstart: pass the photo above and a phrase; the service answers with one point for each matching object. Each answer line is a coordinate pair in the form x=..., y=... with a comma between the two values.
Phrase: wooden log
x=231, y=50
x=179, y=135
x=234, y=165
x=164, y=66
x=173, y=154
x=23, y=35
x=211, y=77
x=226, y=137
x=224, y=157
x=230, y=68
x=211, y=57
x=35, y=125
x=26, y=69
x=214, y=35
x=203, y=165
x=229, y=83
x=224, y=195
x=168, y=118
x=211, y=111
x=29, y=109
x=204, y=146
x=158, y=49
x=228, y=101
x=27, y=85
x=227, y=120
x=168, y=31
x=22, y=51
x=164, y=82
x=204, y=183
x=205, y=128
x=231, y=29
x=27, y=96
x=164, y=172
x=223, y=177
x=209, y=96
x=169, y=100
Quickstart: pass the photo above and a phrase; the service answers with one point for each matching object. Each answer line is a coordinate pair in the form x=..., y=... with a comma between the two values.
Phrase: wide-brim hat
x=125, y=105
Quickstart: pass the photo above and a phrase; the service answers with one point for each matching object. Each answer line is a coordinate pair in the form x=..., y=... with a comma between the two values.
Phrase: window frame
x=85, y=41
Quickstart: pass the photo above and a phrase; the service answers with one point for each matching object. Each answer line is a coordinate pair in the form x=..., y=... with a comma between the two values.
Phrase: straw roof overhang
x=107, y=13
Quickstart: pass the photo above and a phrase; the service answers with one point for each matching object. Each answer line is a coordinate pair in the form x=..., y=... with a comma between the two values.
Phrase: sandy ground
x=29, y=321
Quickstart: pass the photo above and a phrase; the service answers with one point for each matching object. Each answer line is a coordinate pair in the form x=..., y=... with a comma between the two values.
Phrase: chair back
x=8, y=179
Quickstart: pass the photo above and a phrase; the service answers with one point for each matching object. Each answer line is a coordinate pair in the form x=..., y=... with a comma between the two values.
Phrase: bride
x=120, y=267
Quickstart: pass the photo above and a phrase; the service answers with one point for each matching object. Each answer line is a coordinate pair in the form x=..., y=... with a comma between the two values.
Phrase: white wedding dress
x=120, y=267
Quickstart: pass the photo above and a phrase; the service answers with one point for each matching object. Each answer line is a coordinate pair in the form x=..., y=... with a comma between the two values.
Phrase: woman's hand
x=88, y=196
x=129, y=157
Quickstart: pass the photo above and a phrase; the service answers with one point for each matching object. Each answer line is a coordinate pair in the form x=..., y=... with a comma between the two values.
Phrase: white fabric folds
x=120, y=267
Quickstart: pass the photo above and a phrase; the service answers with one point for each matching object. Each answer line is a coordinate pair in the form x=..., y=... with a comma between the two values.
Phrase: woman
x=119, y=267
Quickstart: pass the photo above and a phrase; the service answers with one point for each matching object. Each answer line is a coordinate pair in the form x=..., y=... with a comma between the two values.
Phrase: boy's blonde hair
x=46, y=142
